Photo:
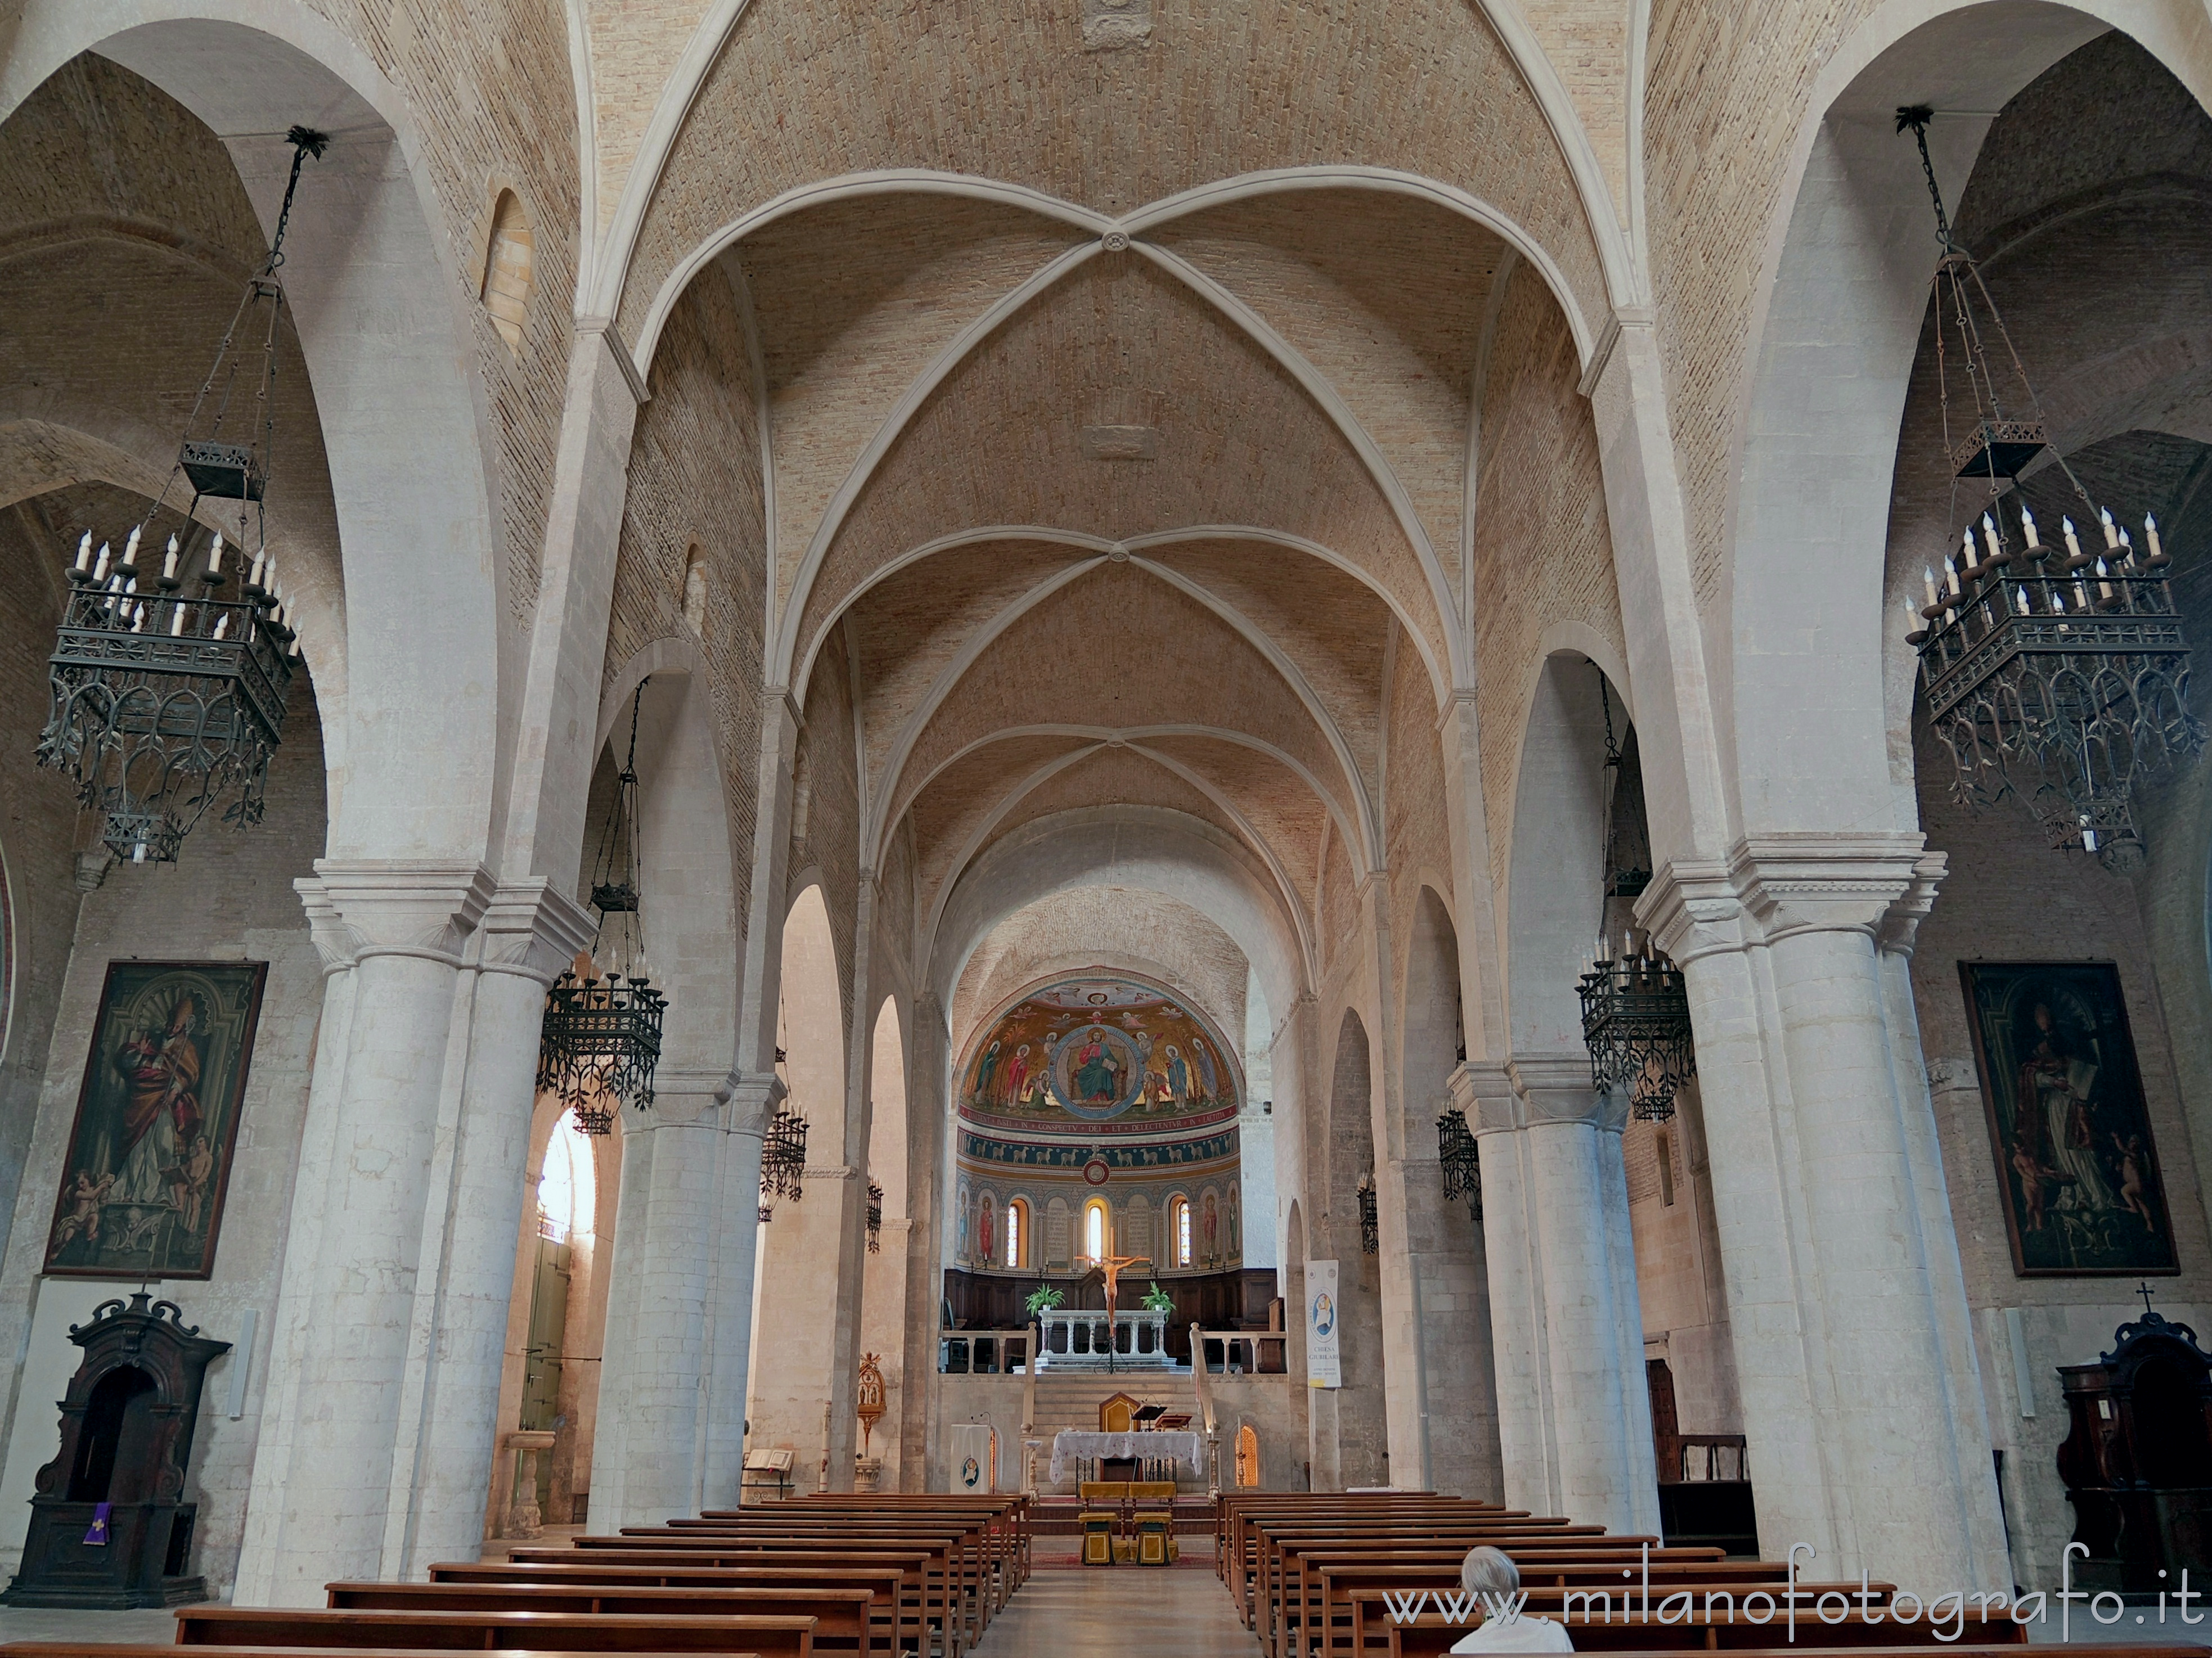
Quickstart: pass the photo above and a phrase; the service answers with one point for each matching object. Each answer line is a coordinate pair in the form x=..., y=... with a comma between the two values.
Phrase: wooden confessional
x=109, y=1526
x=2138, y=1463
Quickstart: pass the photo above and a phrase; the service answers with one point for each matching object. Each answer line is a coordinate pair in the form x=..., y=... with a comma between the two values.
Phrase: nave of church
x=859, y=771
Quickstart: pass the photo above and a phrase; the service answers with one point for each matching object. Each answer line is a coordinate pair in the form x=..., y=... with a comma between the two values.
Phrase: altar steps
x=1071, y=1402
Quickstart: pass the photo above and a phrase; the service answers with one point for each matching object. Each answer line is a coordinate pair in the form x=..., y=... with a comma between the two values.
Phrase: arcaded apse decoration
x=1099, y=1050
x=2076, y=1163
x=142, y=1183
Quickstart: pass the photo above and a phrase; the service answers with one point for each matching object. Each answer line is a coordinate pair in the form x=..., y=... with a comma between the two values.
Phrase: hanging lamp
x=166, y=697
x=2053, y=672
x=1636, y=1009
x=599, y=1045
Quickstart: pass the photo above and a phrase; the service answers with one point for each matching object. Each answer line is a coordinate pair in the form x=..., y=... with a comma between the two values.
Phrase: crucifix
x=1112, y=1266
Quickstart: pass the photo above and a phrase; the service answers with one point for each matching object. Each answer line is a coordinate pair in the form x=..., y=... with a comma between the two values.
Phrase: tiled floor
x=1118, y=1613
x=33, y=1623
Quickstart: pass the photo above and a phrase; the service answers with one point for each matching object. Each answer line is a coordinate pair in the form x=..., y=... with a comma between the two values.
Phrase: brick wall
x=1543, y=552
x=695, y=480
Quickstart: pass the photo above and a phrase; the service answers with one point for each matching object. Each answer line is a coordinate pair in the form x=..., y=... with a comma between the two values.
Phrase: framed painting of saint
x=148, y=1158
x=2077, y=1163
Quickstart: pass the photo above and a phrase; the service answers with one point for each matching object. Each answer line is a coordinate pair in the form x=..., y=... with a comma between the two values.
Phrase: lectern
x=109, y=1526
x=2138, y=1461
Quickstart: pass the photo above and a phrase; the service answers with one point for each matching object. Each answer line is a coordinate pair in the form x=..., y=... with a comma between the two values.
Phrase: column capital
x=359, y=908
x=1773, y=886
x=682, y=1098
x=1557, y=1087
x=753, y=1099
x=533, y=929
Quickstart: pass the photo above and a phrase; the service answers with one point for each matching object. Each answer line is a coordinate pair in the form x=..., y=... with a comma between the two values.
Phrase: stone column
x=457, y=1346
x=752, y=1101
x=649, y=1457
x=1436, y=1296
x=1869, y=1436
x=1574, y=1420
x=376, y=1449
x=928, y=1093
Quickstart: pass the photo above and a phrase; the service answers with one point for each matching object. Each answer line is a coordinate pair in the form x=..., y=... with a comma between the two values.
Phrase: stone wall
x=228, y=897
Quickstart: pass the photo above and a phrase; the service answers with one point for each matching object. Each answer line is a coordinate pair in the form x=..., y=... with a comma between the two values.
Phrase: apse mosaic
x=1098, y=1051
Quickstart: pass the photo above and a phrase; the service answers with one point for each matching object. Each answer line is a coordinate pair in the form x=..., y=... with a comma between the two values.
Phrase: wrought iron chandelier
x=1636, y=1010
x=1460, y=1159
x=783, y=1147
x=165, y=702
x=1371, y=1230
x=875, y=1218
x=600, y=1043
x=2053, y=672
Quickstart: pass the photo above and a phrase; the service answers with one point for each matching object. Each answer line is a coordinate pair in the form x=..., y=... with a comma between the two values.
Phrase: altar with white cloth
x=1072, y=1446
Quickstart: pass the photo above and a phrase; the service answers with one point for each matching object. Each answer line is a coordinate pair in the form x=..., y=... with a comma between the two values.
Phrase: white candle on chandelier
x=253, y=575
x=130, y=549
x=177, y=622
x=1912, y=618
x=1989, y=538
x=1951, y=575
x=2020, y=598
x=2027, y=526
x=221, y=625
x=1928, y=576
x=99, y=566
x=2081, y=593
x=2150, y=536
x=138, y=620
x=2127, y=546
x=84, y=552
x=2072, y=545
x=2104, y=580
x=2111, y=533
x=169, y=561
x=1966, y=550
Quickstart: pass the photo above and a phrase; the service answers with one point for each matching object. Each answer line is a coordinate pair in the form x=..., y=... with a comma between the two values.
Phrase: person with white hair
x=1492, y=1579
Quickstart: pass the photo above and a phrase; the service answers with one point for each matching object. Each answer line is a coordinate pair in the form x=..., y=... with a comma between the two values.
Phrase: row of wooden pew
x=877, y=1576
x=1345, y=1575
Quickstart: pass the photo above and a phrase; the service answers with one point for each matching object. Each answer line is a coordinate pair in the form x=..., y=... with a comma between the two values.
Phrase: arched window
x=1179, y=1231
x=1018, y=1232
x=1097, y=1234
x=508, y=263
x=567, y=1194
x=694, y=590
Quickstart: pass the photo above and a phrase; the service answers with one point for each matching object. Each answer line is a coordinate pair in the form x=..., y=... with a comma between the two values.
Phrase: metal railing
x=1082, y=1333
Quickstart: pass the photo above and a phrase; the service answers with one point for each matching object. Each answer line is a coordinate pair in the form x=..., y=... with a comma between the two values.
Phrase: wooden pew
x=1280, y=1547
x=1326, y=1581
x=241, y=1626
x=926, y=1571
x=982, y=1545
x=961, y=1541
x=96, y=1648
x=841, y=1615
x=895, y=1596
x=1431, y=1636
